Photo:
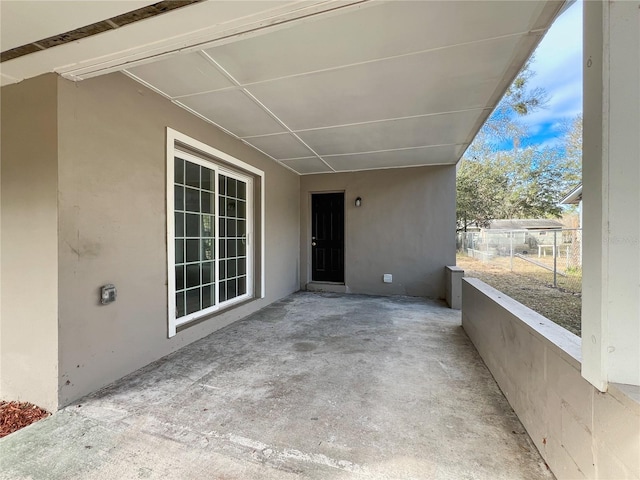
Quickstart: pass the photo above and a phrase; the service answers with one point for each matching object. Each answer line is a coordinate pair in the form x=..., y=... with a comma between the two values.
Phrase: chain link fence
x=553, y=257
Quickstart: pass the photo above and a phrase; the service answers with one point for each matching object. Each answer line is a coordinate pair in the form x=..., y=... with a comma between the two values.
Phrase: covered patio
x=313, y=386
x=164, y=173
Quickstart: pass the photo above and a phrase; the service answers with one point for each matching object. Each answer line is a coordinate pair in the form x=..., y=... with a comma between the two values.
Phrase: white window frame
x=227, y=166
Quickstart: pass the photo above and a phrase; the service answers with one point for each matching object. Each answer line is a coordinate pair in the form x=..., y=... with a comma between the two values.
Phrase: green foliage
x=522, y=183
x=574, y=270
x=527, y=183
x=479, y=188
x=520, y=98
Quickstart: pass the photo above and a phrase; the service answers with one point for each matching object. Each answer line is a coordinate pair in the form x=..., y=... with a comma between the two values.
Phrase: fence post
x=511, y=251
x=555, y=258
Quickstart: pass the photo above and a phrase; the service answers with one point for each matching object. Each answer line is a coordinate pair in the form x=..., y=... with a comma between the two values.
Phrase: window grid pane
x=194, y=233
x=197, y=283
x=232, y=253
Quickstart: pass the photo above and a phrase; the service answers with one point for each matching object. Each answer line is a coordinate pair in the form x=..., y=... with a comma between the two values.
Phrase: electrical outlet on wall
x=387, y=278
x=108, y=294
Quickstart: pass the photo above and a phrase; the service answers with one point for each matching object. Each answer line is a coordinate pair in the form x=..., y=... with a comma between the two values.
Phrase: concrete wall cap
x=567, y=343
x=628, y=395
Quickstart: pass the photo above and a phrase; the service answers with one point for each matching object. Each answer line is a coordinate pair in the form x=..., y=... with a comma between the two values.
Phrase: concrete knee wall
x=580, y=432
x=453, y=287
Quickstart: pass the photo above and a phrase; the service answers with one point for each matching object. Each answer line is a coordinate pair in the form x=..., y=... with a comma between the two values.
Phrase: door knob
x=313, y=244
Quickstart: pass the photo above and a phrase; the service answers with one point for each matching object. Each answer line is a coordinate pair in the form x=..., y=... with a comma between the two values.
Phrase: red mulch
x=16, y=415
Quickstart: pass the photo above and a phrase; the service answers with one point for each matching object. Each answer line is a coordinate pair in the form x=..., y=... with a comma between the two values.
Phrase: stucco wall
x=28, y=314
x=405, y=226
x=453, y=286
x=113, y=229
x=580, y=432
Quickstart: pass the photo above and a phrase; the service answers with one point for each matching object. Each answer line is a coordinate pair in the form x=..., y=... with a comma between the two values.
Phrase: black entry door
x=327, y=237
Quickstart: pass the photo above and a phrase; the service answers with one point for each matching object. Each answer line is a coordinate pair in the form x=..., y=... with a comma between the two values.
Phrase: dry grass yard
x=562, y=307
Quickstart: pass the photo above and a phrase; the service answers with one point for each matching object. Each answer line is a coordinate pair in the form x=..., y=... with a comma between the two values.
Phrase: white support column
x=611, y=193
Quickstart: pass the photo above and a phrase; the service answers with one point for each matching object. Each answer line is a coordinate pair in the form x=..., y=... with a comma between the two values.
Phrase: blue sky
x=558, y=68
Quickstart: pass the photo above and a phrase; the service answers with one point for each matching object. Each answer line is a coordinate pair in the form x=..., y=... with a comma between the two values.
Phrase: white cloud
x=558, y=69
x=559, y=54
x=550, y=143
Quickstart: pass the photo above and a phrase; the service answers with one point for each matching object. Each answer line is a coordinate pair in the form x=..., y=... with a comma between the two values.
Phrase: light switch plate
x=387, y=278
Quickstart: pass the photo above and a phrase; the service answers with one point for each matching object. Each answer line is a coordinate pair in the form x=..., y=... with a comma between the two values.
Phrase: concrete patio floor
x=318, y=386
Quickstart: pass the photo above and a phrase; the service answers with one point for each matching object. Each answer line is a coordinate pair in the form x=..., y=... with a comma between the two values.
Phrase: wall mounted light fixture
x=358, y=202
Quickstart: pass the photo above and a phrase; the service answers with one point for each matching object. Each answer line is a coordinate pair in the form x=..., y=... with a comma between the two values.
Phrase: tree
x=477, y=184
x=538, y=180
x=525, y=183
x=573, y=150
x=573, y=140
x=504, y=124
x=522, y=182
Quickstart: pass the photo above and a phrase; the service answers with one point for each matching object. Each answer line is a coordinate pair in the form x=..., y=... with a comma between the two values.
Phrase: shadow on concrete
x=314, y=386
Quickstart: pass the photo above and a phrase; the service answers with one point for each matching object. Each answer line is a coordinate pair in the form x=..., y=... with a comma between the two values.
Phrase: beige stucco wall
x=28, y=314
x=113, y=229
x=453, y=286
x=405, y=226
x=580, y=432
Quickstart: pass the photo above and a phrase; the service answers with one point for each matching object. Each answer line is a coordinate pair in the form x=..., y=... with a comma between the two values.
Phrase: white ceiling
x=365, y=86
x=392, y=85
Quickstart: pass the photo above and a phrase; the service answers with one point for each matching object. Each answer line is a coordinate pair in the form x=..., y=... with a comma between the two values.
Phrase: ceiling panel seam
x=382, y=59
x=371, y=122
x=266, y=109
x=391, y=150
x=297, y=158
x=208, y=120
x=333, y=155
x=188, y=43
x=409, y=121
x=261, y=105
x=193, y=112
x=387, y=168
x=344, y=66
x=146, y=84
x=206, y=92
x=272, y=158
